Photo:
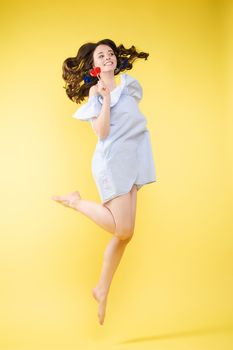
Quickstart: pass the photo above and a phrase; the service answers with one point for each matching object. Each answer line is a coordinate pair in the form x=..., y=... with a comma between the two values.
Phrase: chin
x=108, y=70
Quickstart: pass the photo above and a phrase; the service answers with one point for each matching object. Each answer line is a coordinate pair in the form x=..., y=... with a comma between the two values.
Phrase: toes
x=101, y=311
x=101, y=318
x=70, y=201
x=56, y=198
x=61, y=200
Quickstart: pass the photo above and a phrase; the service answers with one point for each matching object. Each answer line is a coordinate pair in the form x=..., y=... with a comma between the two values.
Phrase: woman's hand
x=102, y=89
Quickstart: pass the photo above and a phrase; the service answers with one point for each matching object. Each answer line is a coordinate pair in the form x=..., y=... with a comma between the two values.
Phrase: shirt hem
x=139, y=186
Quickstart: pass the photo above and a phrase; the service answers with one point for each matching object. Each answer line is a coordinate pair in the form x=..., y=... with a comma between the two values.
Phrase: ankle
x=102, y=289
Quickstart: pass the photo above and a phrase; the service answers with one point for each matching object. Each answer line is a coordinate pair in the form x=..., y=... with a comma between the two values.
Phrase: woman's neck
x=109, y=80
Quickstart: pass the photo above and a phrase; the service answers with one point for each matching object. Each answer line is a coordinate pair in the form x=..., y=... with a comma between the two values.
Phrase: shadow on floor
x=195, y=332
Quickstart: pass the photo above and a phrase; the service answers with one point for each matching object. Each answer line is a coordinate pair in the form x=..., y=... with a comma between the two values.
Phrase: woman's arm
x=101, y=125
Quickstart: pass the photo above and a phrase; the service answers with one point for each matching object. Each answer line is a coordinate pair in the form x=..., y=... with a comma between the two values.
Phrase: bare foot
x=101, y=297
x=70, y=200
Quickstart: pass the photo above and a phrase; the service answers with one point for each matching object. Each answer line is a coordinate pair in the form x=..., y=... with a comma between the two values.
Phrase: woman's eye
x=112, y=54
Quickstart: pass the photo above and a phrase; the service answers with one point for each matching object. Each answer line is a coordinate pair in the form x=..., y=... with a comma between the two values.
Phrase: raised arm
x=101, y=124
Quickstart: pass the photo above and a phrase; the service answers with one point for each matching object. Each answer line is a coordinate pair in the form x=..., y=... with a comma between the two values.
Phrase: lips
x=109, y=63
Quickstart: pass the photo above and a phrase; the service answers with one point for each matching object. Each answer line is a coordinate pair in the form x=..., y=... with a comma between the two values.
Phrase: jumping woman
x=123, y=160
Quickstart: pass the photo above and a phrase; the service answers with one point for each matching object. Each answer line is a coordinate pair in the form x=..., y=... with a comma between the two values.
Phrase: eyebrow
x=102, y=52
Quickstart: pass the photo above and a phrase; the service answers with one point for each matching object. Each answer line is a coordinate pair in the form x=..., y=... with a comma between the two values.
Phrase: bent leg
x=98, y=213
x=101, y=215
x=104, y=215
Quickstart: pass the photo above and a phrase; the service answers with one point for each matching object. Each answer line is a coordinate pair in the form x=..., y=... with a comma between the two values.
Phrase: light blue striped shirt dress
x=124, y=157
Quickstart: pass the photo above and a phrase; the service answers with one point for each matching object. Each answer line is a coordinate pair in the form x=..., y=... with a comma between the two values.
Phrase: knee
x=125, y=234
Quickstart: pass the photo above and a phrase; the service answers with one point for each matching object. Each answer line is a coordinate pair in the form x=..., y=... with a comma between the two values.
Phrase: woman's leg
x=124, y=209
x=127, y=212
x=116, y=216
x=133, y=204
x=98, y=213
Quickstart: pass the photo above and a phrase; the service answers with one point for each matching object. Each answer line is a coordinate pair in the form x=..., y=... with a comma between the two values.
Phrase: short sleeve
x=134, y=88
x=88, y=110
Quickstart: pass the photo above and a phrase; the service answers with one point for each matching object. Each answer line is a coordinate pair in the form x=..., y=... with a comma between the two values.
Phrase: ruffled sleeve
x=134, y=87
x=88, y=110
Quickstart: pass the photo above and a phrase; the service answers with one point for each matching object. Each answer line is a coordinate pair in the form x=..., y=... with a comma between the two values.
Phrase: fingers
x=102, y=86
x=101, y=83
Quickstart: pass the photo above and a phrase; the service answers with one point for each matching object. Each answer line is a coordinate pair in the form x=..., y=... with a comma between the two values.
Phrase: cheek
x=97, y=61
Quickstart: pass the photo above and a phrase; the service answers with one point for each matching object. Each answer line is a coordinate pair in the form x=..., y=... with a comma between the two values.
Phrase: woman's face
x=104, y=57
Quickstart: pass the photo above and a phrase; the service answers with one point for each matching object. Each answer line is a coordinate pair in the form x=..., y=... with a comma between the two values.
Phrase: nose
x=107, y=59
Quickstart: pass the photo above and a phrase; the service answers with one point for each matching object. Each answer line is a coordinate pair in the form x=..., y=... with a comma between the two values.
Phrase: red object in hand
x=95, y=71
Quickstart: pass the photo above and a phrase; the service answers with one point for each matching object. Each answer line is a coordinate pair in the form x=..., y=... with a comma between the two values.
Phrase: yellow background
x=173, y=289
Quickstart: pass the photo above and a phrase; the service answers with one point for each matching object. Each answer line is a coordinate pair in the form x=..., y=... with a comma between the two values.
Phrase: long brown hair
x=75, y=68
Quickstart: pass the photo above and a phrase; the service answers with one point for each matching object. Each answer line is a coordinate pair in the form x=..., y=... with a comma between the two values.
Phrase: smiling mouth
x=109, y=64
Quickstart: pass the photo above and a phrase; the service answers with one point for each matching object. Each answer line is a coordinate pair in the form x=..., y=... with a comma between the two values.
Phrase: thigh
x=133, y=204
x=121, y=209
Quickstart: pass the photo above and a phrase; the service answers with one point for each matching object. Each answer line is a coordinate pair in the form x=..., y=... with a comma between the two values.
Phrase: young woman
x=123, y=160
